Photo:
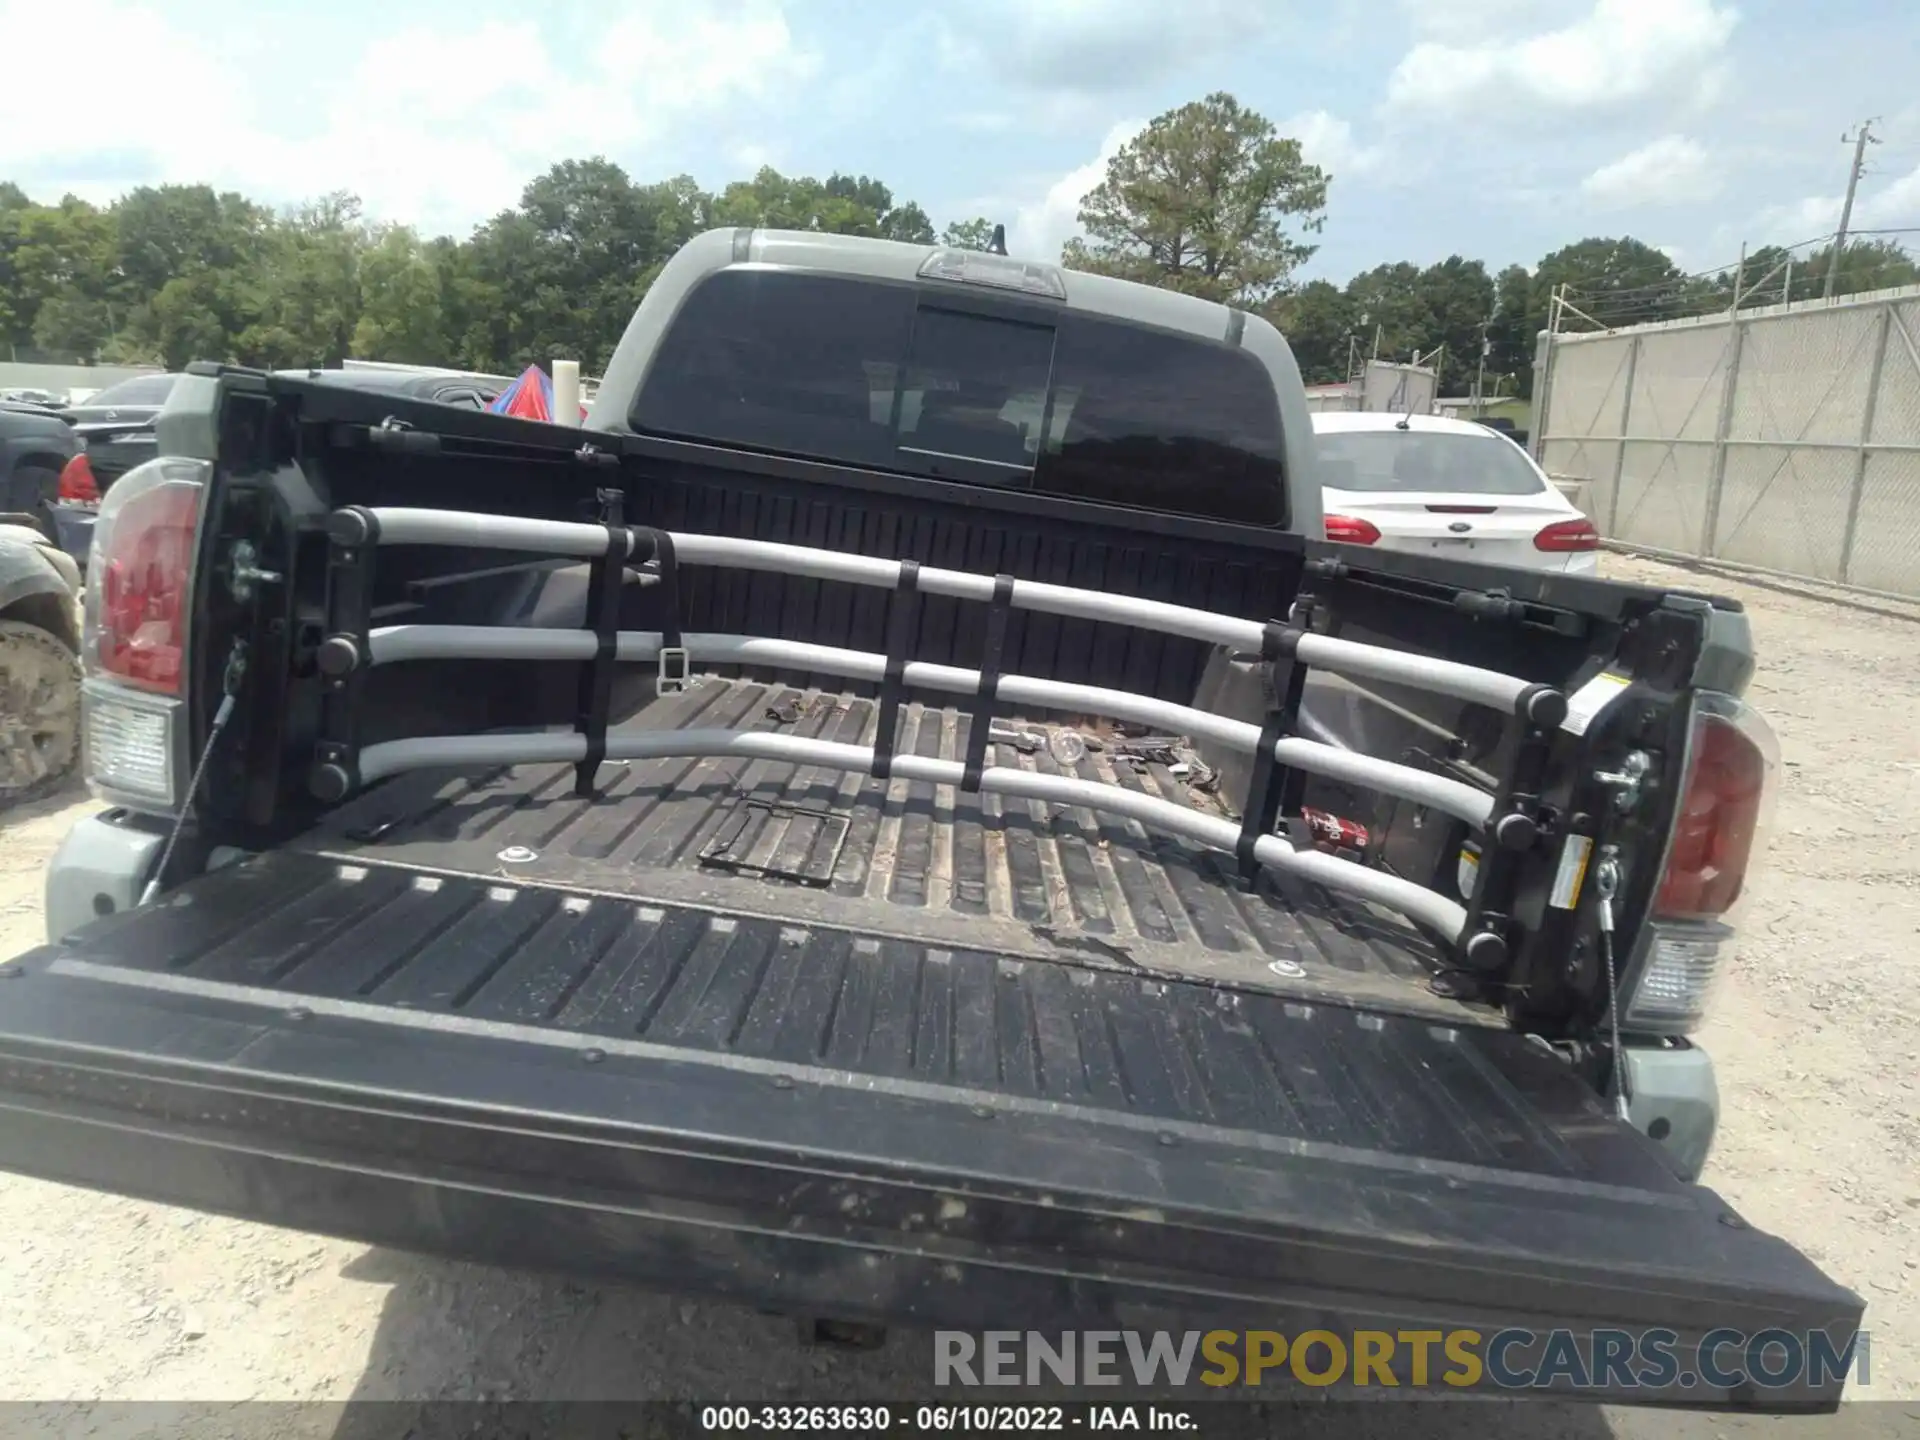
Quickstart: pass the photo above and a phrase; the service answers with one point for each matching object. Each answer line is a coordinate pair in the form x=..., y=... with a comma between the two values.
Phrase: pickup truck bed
x=959, y=1059
x=906, y=860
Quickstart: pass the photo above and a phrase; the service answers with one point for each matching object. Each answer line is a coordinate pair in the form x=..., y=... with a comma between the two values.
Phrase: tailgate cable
x=230, y=690
x=1606, y=883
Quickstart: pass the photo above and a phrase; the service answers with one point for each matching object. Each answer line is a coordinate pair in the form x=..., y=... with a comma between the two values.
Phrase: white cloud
x=433, y=125
x=1095, y=47
x=1327, y=141
x=1666, y=171
x=1621, y=50
x=1452, y=17
x=1040, y=227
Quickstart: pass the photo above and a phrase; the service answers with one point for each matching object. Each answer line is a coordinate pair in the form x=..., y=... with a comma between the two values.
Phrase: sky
x=1496, y=129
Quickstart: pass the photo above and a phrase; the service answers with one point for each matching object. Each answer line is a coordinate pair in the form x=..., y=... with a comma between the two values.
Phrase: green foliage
x=174, y=273
x=1199, y=202
x=1319, y=322
x=974, y=234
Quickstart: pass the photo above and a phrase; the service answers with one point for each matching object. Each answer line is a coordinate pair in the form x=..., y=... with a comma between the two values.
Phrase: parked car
x=39, y=662
x=115, y=429
x=1437, y=486
x=45, y=399
x=731, y=908
x=35, y=446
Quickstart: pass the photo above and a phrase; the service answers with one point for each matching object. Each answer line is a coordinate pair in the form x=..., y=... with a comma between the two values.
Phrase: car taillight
x=1568, y=535
x=1719, y=820
x=1351, y=530
x=141, y=575
x=1719, y=830
x=77, y=485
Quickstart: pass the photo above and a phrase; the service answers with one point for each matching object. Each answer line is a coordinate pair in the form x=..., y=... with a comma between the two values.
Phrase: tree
x=1511, y=336
x=908, y=222
x=307, y=295
x=54, y=254
x=1864, y=265
x=1460, y=299
x=1318, y=321
x=1199, y=202
x=1611, y=282
x=1392, y=311
x=974, y=234
x=402, y=310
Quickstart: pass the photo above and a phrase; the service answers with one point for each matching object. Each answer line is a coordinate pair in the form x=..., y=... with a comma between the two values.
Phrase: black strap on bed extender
x=901, y=616
x=982, y=721
x=606, y=578
x=673, y=664
x=1273, y=789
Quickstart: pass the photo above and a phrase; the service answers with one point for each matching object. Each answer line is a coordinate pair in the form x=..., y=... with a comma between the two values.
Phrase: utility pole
x=1860, y=143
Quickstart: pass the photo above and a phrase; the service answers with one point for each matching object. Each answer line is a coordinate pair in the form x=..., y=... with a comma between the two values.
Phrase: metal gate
x=1785, y=438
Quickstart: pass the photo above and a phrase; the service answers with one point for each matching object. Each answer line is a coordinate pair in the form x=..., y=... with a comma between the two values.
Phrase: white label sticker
x=1572, y=873
x=1468, y=872
x=1590, y=699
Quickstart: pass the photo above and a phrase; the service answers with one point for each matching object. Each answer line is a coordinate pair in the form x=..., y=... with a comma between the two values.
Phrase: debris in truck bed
x=787, y=712
x=1027, y=742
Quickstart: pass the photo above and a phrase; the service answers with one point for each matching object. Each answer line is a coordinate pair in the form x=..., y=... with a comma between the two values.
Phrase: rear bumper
x=73, y=525
x=800, y=1188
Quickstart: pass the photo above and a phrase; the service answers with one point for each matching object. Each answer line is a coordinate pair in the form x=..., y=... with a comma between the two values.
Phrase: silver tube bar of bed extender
x=396, y=643
x=402, y=526
x=392, y=757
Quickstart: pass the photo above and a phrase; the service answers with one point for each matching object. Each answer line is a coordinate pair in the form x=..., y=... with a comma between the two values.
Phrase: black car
x=116, y=429
x=35, y=446
x=116, y=424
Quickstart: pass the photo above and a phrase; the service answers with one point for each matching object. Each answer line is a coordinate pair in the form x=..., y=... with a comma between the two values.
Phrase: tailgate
x=859, y=1125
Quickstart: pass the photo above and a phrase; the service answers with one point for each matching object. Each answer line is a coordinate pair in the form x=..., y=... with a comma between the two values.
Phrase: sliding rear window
x=900, y=378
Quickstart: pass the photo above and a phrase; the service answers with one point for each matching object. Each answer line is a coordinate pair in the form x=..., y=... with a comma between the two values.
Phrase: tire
x=39, y=712
x=38, y=488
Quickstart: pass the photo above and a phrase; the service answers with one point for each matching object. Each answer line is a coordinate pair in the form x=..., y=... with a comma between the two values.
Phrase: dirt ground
x=1816, y=1032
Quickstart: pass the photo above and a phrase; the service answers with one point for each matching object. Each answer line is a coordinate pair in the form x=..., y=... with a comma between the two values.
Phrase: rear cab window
x=1410, y=462
x=928, y=380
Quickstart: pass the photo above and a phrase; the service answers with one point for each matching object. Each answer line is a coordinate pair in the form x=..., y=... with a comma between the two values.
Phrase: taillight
x=140, y=583
x=1719, y=831
x=1719, y=819
x=1568, y=535
x=77, y=485
x=1351, y=530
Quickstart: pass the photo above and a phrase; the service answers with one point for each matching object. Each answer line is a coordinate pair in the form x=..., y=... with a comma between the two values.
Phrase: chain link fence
x=1786, y=439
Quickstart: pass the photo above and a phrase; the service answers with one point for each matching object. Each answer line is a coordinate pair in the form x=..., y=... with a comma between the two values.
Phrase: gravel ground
x=1816, y=1032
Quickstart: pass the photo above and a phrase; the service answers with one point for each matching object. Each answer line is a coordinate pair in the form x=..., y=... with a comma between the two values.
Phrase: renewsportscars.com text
x=1415, y=1359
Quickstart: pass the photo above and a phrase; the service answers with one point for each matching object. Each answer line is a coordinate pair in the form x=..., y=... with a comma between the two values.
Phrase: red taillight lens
x=142, y=577
x=1720, y=816
x=1351, y=530
x=77, y=485
x=1568, y=535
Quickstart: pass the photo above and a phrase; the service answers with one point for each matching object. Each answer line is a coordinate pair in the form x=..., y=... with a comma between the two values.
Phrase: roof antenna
x=998, y=244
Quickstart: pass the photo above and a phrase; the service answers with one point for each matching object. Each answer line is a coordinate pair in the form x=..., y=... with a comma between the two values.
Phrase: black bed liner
x=909, y=859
